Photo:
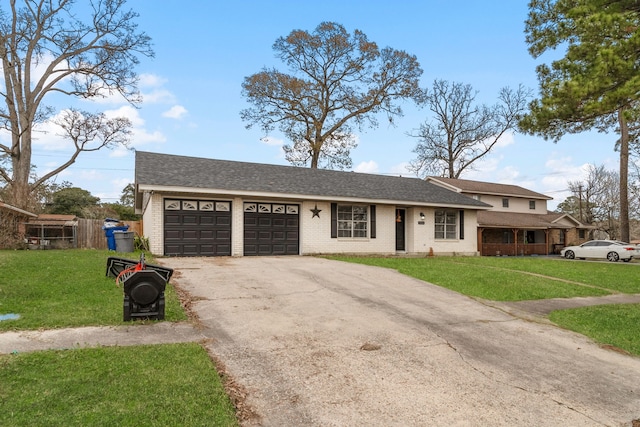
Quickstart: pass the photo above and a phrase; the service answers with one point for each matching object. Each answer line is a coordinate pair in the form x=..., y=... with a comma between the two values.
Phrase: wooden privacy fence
x=90, y=234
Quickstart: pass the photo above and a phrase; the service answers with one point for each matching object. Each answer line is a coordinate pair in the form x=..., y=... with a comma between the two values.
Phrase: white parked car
x=611, y=250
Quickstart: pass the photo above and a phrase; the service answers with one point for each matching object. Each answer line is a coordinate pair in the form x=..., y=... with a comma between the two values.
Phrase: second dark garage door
x=271, y=229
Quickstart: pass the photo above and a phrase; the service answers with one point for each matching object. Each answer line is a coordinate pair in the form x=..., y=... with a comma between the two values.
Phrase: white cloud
x=151, y=80
x=107, y=97
x=158, y=96
x=152, y=89
x=119, y=152
x=505, y=140
x=367, y=167
x=401, y=169
x=47, y=136
x=484, y=169
x=508, y=175
x=140, y=135
x=175, y=112
x=127, y=111
x=113, y=193
x=271, y=141
x=90, y=175
x=120, y=183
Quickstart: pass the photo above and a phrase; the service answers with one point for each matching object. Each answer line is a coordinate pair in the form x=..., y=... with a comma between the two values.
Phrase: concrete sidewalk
x=95, y=336
x=538, y=310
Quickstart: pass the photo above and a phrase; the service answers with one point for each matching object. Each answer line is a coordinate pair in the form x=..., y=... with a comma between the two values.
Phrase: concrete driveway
x=316, y=342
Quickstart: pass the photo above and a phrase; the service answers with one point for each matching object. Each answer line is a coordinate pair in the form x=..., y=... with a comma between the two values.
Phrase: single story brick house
x=206, y=207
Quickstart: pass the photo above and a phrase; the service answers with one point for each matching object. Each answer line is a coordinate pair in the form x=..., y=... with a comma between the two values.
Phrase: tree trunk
x=316, y=146
x=20, y=190
x=624, y=173
x=21, y=161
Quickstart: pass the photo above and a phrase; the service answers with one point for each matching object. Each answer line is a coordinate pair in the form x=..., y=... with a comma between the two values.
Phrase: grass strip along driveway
x=530, y=278
x=168, y=384
x=156, y=385
x=64, y=288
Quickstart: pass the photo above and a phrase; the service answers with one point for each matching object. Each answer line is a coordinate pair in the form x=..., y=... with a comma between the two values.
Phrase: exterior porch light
x=422, y=216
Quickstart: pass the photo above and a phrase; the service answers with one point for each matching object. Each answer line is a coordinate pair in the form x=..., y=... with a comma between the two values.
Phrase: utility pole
x=580, y=201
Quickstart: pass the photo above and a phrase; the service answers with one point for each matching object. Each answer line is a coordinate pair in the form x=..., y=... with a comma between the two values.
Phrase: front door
x=400, y=229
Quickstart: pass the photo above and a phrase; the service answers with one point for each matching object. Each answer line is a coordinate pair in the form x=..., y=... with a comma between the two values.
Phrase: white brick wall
x=237, y=227
x=421, y=237
x=315, y=233
x=153, y=221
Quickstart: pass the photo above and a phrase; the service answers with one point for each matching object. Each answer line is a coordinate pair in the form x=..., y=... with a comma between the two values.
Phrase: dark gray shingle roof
x=495, y=219
x=155, y=169
x=480, y=187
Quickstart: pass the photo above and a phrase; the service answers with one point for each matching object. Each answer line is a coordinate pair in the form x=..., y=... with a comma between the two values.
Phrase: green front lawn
x=156, y=385
x=113, y=386
x=487, y=278
x=619, y=276
x=65, y=288
x=615, y=325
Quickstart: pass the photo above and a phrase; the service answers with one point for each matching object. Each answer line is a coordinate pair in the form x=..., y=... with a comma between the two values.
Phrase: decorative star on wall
x=315, y=211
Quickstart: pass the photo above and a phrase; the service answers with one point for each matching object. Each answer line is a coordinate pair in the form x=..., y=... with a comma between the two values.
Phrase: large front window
x=352, y=221
x=446, y=225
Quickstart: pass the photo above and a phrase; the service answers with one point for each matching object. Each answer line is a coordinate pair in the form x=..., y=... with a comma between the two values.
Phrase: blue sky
x=204, y=49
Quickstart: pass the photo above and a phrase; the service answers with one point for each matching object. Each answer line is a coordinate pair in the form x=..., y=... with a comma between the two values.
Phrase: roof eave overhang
x=444, y=184
x=520, y=196
x=528, y=227
x=18, y=210
x=141, y=188
x=487, y=193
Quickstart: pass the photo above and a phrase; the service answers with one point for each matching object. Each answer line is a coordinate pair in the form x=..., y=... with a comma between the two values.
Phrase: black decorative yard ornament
x=143, y=286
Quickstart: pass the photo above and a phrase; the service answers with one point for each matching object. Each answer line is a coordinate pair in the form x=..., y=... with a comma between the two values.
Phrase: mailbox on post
x=143, y=285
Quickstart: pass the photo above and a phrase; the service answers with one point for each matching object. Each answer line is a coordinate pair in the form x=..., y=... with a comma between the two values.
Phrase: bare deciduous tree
x=339, y=81
x=598, y=196
x=461, y=132
x=47, y=49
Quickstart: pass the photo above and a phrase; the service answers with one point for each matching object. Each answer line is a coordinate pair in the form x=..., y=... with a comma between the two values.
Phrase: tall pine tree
x=596, y=84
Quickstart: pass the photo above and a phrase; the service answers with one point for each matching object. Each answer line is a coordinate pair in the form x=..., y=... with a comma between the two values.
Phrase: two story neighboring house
x=518, y=222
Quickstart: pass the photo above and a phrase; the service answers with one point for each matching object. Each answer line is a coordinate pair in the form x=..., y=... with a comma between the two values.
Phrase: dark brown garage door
x=197, y=227
x=271, y=229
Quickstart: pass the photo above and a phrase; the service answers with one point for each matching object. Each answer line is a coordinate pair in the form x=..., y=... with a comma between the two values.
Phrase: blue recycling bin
x=111, y=240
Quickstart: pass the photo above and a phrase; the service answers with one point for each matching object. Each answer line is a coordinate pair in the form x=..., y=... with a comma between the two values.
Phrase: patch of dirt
x=617, y=350
x=186, y=300
x=370, y=346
